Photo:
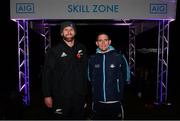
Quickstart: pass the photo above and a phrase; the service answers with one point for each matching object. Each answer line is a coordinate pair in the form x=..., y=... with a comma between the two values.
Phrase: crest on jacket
x=79, y=54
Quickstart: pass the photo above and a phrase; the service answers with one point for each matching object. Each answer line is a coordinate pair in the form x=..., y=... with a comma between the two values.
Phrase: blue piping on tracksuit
x=104, y=77
x=127, y=69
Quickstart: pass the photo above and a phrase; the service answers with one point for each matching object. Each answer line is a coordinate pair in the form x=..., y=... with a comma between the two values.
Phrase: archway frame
x=22, y=17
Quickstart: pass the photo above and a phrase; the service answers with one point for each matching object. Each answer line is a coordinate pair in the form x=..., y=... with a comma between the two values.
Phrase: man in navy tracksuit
x=107, y=70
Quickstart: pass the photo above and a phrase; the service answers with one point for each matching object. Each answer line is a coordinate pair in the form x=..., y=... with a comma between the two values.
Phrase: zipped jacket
x=108, y=73
x=65, y=72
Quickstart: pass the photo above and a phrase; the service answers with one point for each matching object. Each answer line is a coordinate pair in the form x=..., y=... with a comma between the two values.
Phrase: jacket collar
x=110, y=48
x=63, y=42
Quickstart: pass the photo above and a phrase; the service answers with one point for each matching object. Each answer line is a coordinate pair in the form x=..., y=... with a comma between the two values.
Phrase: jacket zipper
x=104, y=78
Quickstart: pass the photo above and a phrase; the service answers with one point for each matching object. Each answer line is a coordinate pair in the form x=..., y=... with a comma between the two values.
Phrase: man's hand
x=48, y=102
x=85, y=105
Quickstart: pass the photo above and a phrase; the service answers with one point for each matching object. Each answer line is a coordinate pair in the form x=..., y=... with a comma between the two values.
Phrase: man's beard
x=68, y=39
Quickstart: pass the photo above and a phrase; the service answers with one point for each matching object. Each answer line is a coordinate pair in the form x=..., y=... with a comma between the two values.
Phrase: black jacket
x=64, y=72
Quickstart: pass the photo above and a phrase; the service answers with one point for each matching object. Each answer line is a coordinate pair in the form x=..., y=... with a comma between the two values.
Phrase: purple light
x=14, y=20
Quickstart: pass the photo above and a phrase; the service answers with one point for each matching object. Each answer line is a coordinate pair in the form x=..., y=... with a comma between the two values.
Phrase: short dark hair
x=100, y=33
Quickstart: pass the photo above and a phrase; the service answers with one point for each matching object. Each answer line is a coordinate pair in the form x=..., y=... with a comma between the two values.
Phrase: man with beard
x=64, y=81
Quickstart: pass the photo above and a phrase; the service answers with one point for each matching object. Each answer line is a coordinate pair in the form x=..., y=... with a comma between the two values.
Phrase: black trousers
x=72, y=108
x=104, y=111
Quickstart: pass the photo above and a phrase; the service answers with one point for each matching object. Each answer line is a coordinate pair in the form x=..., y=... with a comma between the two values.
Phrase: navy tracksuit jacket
x=108, y=73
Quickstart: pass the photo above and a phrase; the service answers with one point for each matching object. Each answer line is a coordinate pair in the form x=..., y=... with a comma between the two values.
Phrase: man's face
x=103, y=42
x=68, y=34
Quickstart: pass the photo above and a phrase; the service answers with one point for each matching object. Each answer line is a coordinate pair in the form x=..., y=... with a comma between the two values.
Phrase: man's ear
x=109, y=42
x=96, y=43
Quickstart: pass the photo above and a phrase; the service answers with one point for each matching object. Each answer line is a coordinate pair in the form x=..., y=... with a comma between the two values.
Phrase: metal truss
x=132, y=50
x=23, y=60
x=46, y=35
x=23, y=55
x=162, y=62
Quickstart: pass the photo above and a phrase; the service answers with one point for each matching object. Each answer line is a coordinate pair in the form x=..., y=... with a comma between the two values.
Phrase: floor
x=134, y=108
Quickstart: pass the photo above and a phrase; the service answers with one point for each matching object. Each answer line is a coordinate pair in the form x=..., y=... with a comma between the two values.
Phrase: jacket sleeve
x=89, y=77
x=126, y=70
x=47, y=73
x=125, y=77
x=85, y=70
x=90, y=69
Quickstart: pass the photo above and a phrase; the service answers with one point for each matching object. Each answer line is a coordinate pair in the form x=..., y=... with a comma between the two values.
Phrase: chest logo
x=79, y=54
x=96, y=66
x=112, y=66
x=63, y=54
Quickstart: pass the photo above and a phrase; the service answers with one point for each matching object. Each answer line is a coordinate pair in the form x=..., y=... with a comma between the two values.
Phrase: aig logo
x=158, y=8
x=24, y=7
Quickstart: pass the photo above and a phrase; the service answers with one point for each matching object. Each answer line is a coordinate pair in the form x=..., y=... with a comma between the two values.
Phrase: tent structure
x=132, y=13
